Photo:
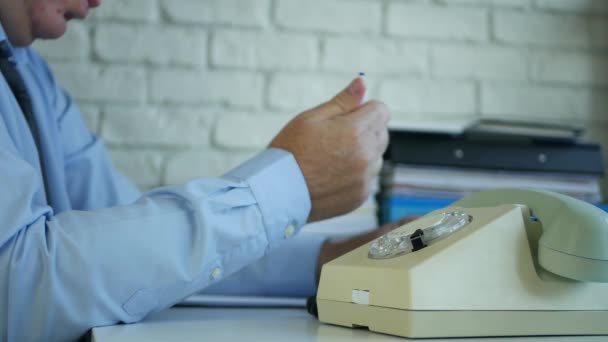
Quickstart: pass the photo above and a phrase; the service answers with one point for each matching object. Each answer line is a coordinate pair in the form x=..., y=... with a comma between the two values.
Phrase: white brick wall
x=375, y=56
x=112, y=83
x=184, y=86
x=320, y=15
x=424, y=96
x=438, y=22
x=264, y=50
x=156, y=125
x=159, y=45
x=479, y=62
x=527, y=101
x=542, y=29
x=181, y=88
x=128, y=10
x=248, y=13
x=582, y=6
x=578, y=69
x=74, y=46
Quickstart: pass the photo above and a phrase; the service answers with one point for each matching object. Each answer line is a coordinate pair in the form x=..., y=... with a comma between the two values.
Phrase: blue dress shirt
x=105, y=253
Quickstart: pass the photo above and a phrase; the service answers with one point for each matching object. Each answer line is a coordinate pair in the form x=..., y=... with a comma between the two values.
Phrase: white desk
x=260, y=324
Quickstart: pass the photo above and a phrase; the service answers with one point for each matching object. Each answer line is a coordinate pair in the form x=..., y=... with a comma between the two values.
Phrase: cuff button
x=290, y=230
x=216, y=273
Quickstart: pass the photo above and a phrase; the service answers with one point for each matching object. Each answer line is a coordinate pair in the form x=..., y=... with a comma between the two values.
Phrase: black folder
x=495, y=152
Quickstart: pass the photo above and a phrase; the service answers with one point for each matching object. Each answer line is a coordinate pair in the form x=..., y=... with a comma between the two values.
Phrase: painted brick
x=246, y=131
x=238, y=89
x=479, y=62
x=541, y=29
x=119, y=84
x=205, y=162
x=570, y=67
x=599, y=32
x=92, y=117
x=339, y=16
x=491, y=3
x=375, y=56
x=142, y=167
x=265, y=51
x=437, y=22
x=152, y=125
x=533, y=102
x=128, y=10
x=579, y=6
x=154, y=44
x=74, y=45
x=228, y=12
x=597, y=101
x=422, y=96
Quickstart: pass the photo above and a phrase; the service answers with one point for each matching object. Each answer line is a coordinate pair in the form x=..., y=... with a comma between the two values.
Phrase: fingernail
x=352, y=88
x=356, y=88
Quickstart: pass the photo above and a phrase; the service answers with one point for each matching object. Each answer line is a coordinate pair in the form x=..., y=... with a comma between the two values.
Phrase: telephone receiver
x=506, y=262
x=574, y=240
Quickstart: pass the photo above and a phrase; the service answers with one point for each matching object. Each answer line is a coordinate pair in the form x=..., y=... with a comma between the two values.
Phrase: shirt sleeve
x=66, y=273
x=95, y=183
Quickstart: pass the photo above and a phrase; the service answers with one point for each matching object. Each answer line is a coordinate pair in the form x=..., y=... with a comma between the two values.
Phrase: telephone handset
x=479, y=268
x=574, y=241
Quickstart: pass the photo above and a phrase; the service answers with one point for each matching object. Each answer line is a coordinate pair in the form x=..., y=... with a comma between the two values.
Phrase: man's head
x=26, y=20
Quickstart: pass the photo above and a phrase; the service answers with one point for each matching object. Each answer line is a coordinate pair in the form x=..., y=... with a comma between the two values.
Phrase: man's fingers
x=373, y=112
x=370, y=120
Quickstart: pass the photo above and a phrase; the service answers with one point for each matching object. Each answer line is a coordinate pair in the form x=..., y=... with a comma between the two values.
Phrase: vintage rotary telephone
x=509, y=262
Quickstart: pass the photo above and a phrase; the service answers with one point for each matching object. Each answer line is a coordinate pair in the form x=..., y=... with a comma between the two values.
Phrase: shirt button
x=217, y=272
x=289, y=231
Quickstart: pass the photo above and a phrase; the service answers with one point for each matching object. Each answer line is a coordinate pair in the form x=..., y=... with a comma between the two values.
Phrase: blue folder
x=395, y=207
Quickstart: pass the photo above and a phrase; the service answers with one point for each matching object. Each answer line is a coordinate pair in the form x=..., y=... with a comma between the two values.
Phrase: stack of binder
x=425, y=171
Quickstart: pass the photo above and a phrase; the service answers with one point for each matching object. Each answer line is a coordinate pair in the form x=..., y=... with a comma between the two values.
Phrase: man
x=81, y=247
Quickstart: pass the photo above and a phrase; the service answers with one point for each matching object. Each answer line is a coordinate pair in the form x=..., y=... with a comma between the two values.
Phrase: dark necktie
x=17, y=85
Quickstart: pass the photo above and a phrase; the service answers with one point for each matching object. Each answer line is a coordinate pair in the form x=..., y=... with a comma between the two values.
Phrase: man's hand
x=338, y=146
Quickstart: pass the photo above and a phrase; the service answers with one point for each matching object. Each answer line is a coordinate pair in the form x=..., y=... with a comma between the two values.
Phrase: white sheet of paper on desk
x=243, y=301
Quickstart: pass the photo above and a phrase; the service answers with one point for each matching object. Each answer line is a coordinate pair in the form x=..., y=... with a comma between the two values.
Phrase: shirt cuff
x=289, y=271
x=279, y=187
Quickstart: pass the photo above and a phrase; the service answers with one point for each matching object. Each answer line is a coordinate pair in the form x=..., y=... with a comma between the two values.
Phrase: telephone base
x=437, y=324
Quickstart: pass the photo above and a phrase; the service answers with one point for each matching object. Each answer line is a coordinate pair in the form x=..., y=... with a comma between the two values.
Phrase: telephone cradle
x=510, y=262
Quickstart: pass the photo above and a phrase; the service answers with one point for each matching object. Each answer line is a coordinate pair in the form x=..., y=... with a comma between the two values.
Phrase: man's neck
x=14, y=24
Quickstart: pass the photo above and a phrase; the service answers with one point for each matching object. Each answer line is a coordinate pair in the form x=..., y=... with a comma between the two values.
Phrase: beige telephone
x=512, y=262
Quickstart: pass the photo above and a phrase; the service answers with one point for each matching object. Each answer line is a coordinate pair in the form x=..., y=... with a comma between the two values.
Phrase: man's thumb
x=345, y=102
